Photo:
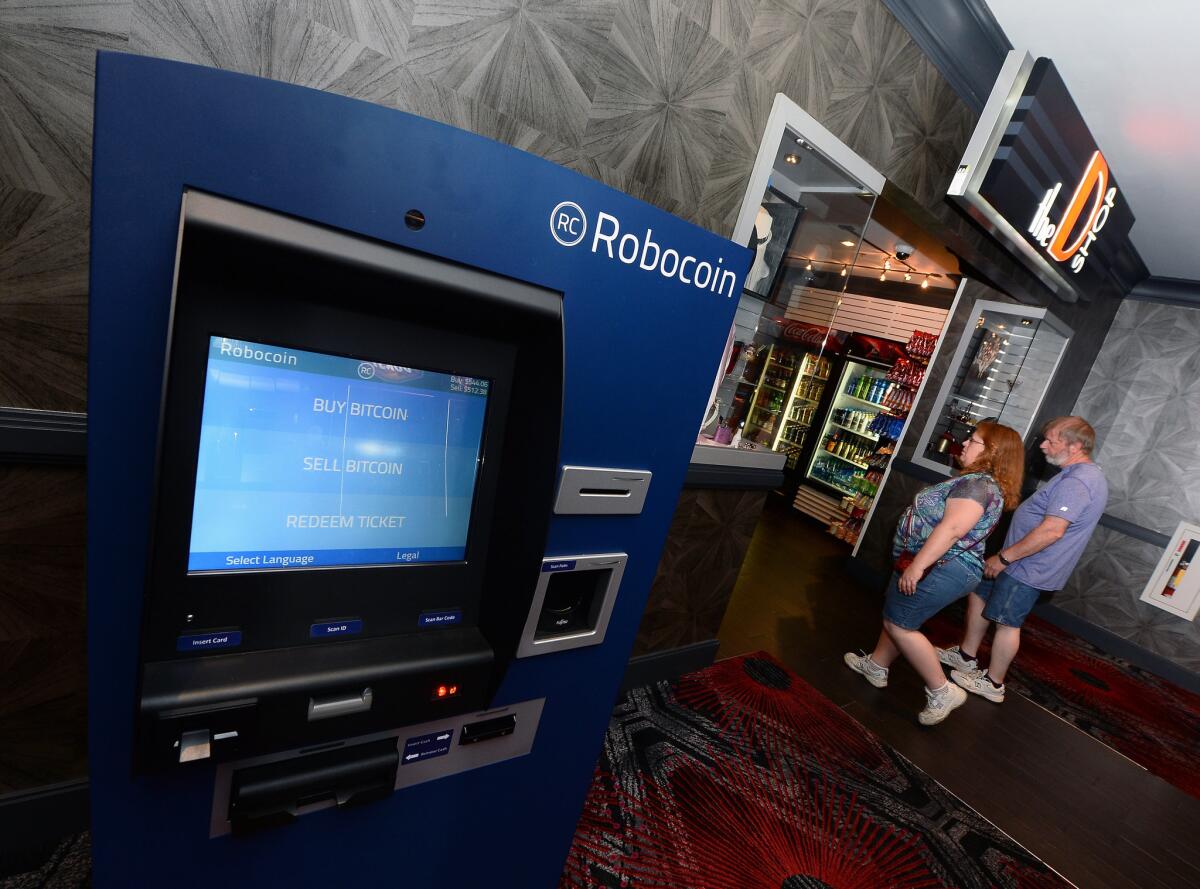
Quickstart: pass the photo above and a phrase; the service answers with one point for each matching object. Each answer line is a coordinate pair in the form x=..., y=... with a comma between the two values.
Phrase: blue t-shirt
x=1078, y=494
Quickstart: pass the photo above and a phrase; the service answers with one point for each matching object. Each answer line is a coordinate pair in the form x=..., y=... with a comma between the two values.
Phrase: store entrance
x=841, y=313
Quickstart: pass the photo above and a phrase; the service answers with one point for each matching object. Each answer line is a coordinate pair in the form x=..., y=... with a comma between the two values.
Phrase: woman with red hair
x=938, y=549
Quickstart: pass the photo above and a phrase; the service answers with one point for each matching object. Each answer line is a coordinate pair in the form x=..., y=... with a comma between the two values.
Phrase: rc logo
x=568, y=224
x=366, y=370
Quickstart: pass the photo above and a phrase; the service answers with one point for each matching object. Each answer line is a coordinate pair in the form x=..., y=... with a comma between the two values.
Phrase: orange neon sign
x=1093, y=186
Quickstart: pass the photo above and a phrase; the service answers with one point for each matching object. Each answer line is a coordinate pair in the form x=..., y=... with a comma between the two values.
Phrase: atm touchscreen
x=315, y=460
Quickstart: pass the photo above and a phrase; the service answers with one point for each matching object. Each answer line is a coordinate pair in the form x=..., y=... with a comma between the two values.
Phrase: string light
x=843, y=271
x=907, y=276
x=925, y=283
x=808, y=268
x=883, y=276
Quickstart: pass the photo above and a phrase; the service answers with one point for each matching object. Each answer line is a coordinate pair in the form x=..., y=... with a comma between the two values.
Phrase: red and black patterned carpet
x=743, y=776
x=1149, y=720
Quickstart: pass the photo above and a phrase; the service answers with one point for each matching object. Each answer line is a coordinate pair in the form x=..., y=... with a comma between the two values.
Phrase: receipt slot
x=354, y=401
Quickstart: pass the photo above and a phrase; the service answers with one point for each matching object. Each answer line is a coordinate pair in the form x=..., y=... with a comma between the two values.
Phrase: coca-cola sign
x=814, y=337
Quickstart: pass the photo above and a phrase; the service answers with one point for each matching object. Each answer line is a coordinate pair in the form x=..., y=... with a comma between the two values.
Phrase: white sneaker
x=979, y=683
x=953, y=657
x=870, y=671
x=938, y=704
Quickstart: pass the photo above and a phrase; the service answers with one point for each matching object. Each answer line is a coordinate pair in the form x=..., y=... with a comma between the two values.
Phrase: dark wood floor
x=1087, y=811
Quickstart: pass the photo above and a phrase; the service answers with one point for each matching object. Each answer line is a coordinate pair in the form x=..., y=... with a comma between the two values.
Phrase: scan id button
x=328, y=628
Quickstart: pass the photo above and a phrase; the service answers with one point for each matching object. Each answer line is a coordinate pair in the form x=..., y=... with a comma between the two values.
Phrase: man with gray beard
x=1044, y=542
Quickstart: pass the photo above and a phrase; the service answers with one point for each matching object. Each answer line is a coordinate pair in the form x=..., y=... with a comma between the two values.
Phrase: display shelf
x=844, y=459
x=869, y=435
x=874, y=404
x=804, y=426
x=833, y=485
x=814, y=376
x=776, y=388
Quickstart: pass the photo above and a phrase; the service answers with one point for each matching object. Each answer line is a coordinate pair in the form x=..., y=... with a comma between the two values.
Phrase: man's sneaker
x=870, y=671
x=979, y=683
x=953, y=657
x=938, y=704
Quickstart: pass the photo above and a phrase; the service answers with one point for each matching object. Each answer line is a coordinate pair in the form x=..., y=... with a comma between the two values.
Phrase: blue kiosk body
x=634, y=307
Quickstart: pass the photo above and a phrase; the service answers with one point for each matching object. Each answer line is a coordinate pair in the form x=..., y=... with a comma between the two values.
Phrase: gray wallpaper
x=663, y=99
x=1143, y=397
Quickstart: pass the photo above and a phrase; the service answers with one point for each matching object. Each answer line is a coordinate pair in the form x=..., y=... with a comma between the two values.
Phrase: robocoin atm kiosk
x=379, y=475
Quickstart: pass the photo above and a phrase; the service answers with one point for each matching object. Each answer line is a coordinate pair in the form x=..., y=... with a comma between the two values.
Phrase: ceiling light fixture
x=883, y=276
x=843, y=271
x=847, y=243
x=925, y=283
x=907, y=276
x=887, y=264
x=808, y=268
x=792, y=158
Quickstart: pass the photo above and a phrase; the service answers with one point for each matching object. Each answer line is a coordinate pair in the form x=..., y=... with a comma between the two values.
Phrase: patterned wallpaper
x=1143, y=397
x=662, y=99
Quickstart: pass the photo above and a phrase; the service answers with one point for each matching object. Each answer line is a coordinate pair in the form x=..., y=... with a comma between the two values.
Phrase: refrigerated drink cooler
x=860, y=420
x=844, y=445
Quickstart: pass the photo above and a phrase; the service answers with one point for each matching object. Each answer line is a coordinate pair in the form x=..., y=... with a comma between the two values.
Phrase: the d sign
x=1093, y=185
x=1093, y=182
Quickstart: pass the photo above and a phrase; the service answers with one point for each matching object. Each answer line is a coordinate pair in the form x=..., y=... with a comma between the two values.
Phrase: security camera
x=904, y=251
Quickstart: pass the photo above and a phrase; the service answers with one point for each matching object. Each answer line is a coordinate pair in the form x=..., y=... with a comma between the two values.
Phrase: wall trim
x=1176, y=291
x=32, y=436
x=31, y=820
x=1137, y=532
x=646, y=669
x=962, y=39
x=700, y=475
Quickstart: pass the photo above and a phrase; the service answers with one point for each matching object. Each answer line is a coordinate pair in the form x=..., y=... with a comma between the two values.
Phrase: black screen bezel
x=262, y=292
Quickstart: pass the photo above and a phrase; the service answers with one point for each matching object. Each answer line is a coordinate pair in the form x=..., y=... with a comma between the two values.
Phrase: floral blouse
x=918, y=520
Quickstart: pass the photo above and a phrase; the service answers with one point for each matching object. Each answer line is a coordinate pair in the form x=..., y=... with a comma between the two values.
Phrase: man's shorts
x=1009, y=601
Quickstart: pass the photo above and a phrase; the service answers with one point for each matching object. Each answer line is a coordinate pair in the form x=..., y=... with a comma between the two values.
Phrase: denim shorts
x=1009, y=600
x=945, y=584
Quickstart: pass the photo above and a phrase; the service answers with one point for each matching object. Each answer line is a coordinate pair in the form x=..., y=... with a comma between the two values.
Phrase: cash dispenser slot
x=275, y=794
x=241, y=705
x=487, y=729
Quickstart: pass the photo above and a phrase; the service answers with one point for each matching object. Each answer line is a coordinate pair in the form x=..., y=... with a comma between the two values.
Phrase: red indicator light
x=442, y=691
x=454, y=689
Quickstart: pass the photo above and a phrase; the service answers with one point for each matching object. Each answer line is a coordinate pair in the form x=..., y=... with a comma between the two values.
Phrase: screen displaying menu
x=311, y=460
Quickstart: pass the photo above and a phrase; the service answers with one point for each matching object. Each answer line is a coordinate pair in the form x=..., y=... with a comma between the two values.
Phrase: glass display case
x=1001, y=370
